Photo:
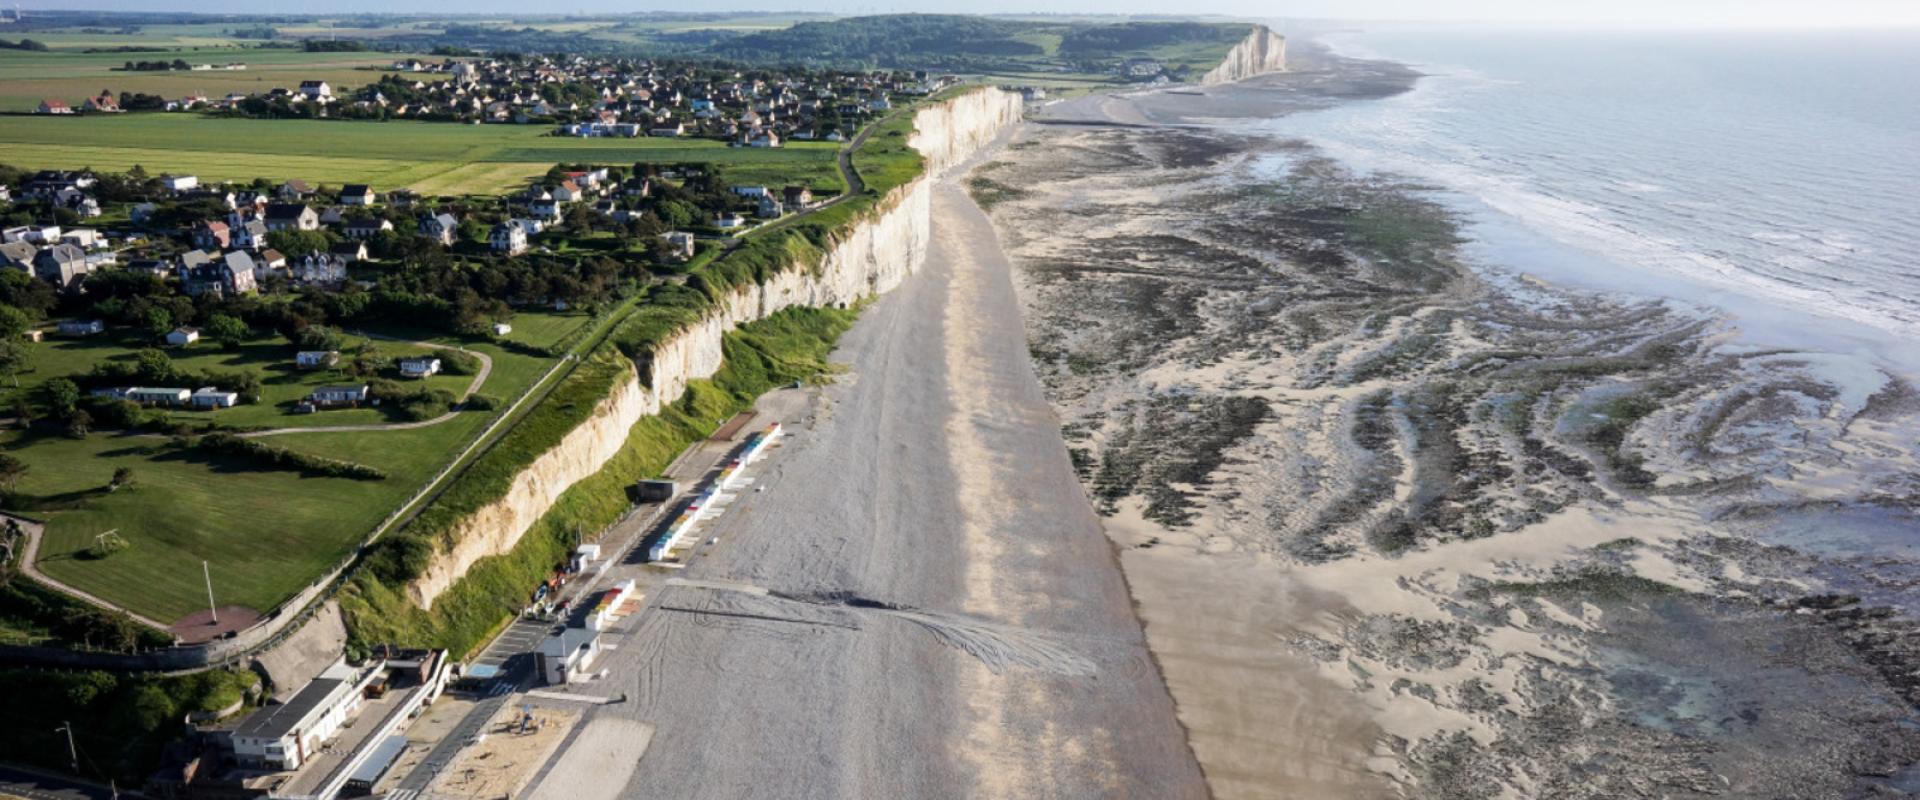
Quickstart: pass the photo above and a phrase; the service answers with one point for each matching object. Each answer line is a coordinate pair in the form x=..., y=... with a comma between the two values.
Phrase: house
x=180, y=183
x=797, y=196
x=318, y=269
x=284, y=736
x=317, y=91
x=502, y=329
x=181, y=337
x=62, y=265
x=728, y=219
x=53, y=107
x=679, y=244
x=568, y=656
x=439, y=227
x=294, y=190
x=568, y=192
x=142, y=213
x=750, y=191
x=357, y=194
x=676, y=129
x=347, y=395
x=363, y=227
x=508, y=238
x=764, y=139
x=229, y=275
x=18, y=255
x=349, y=252
x=770, y=208
x=157, y=267
x=149, y=396
x=104, y=104
x=292, y=217
x=212, y=397
x=80, y=327
x=270, y=259
x=419, y=367
x=250, y=235
x=212, y=235
x=316, y=359
x=83, y=238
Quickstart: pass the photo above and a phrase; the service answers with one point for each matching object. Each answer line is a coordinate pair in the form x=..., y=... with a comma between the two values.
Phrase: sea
x=1772, y=176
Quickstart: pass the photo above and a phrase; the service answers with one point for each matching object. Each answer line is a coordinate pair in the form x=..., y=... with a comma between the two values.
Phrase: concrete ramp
x=301, y=658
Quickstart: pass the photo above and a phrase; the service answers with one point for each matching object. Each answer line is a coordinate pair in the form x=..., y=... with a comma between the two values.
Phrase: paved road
x=34, y=785
x=916, y=600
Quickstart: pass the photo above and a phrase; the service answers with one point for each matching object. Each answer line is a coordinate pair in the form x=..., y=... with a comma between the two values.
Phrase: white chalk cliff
x=873, y=256
x=1263, y=51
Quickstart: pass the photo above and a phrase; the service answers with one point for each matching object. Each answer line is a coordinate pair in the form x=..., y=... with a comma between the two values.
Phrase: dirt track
x=921, y=602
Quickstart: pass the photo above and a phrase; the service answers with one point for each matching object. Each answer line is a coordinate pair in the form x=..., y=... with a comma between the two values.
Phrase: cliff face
x=1263, y=51
x=874, y=256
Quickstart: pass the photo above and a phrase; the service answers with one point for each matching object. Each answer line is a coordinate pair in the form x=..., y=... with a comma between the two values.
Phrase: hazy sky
x=1689, y=13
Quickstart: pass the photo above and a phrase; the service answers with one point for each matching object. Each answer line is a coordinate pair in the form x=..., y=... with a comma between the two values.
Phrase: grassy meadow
x=28, y=77
x=266, y=533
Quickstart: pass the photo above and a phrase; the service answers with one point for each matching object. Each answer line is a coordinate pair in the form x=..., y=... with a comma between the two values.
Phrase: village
x=579, y=96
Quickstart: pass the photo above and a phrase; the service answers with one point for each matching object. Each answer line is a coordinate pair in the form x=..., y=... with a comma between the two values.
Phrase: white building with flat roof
x=285, y=735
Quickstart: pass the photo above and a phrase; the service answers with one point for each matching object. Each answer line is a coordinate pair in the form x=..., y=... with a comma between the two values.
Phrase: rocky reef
x=1404, y=526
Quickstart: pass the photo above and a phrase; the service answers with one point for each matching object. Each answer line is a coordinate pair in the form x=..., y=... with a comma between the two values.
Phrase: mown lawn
x=266, y=534
x=435, y=158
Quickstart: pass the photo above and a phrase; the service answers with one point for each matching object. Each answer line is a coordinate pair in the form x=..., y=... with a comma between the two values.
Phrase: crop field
x=434, y=158
x=266, y=533
x=26, y=78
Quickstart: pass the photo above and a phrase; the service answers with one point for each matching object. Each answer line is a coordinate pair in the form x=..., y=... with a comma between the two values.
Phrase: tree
x=13, y=322
x=296, y=243
x=158, y=321
x=154, y=364
x=22, y=410
x=228, y=330
x=16, y=356
x=122, y=476
x=80, y=424
x=11, y=471
x=317, y=337
x=62, y=396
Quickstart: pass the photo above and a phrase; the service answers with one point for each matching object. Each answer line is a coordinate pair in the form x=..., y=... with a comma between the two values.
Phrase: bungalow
x=316, y=359
x=797, y=196
x=294, y=190
x=676, y=129
x=502, y=329
x=80, y=327
x=147, y=396
x=348, y=395
x=349, y=252
x=419, y=367
x=364, y=227
x=764, y=139
x=508, y=238
x=357, y=194
x=18, y=255
x=213, y=397
x=181, y=337
x=439, y=227
x=270, y=259
x=728, y=219
x=179, y=183
x=53, y=107
x=292, y=217
x=750, y=191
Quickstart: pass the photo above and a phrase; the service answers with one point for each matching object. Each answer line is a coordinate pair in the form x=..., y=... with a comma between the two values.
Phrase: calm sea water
x=1776, y=176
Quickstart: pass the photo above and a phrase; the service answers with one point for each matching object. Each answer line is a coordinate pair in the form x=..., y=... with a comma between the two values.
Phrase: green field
x=434, y=158
x=26, y=78
x=265, y=533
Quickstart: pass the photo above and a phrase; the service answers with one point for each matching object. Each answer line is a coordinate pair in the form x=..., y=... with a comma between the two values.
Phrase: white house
x=149, y=396
x=210, y=397
x=727, y=220
x=180, y=183
x=439, y=227
x=508, y=238
x=502, y=329
x=348, y=395
x=181, y=337
x=316, y=90
x=356, y=194
x=80, y=327
x=419, y=367
x=285, y=735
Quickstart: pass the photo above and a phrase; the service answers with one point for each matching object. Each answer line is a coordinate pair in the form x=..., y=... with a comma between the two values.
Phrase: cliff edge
x=1263, y=51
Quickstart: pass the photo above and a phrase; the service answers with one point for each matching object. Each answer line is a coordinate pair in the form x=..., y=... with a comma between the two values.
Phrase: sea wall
x=1263, y=51
x=872, y=256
